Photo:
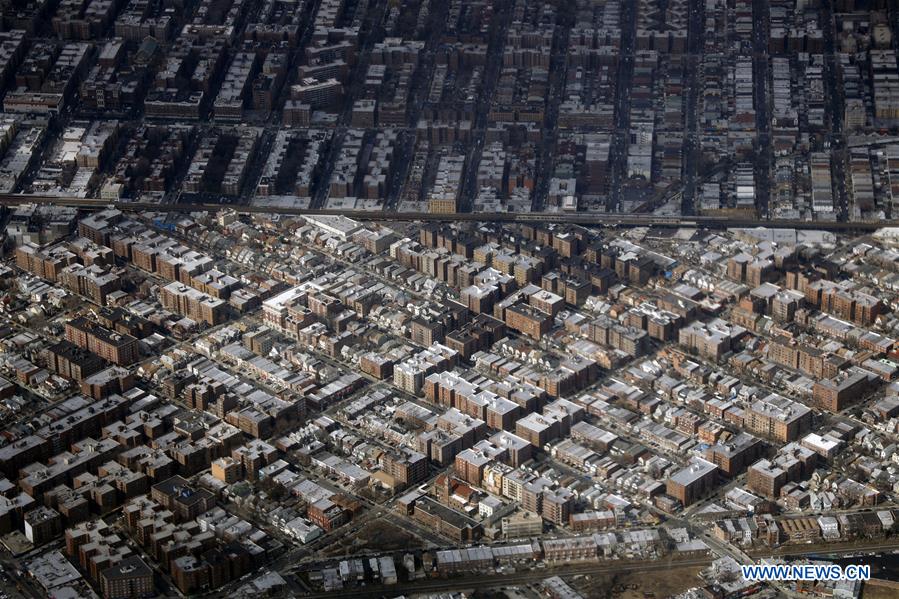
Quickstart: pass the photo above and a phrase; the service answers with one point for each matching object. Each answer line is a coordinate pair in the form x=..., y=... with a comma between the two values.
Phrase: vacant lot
x=874, y=591
x=636, y=585
x=377, y=536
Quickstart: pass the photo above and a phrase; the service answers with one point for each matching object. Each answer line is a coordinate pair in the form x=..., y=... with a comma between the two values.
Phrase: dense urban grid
x=214, y=382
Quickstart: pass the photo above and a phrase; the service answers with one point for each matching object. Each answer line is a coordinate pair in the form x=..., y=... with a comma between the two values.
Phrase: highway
x=618, y=149
x=760, y=71
x=586, y=219
x=691, y=149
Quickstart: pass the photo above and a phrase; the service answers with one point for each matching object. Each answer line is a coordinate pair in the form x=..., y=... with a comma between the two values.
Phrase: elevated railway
x=587, y=219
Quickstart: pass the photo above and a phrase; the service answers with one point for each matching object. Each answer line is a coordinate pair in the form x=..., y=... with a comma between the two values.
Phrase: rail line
x=577, y=218
x=481, y=580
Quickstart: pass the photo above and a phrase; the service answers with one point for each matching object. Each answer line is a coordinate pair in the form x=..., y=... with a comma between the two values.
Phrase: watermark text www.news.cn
x=805, y=572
